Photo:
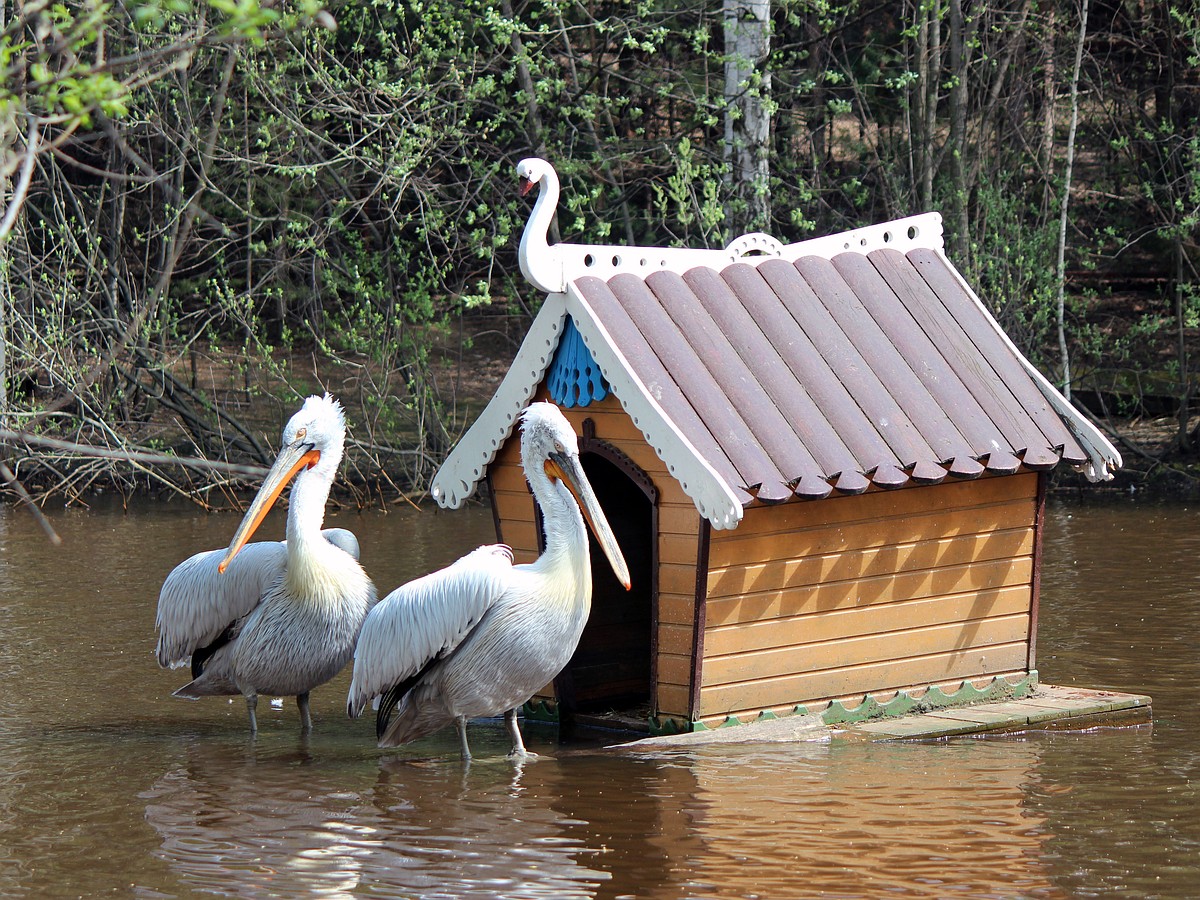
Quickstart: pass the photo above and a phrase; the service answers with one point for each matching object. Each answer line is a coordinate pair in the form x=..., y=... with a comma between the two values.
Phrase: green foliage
x=349, y=190
x=691, y=196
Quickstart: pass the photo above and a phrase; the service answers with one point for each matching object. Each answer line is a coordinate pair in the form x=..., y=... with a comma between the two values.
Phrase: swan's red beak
x=526, y=185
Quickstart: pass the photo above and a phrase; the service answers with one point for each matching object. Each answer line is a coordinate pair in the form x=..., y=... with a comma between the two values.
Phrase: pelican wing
x=425, y=619
x=197, y=604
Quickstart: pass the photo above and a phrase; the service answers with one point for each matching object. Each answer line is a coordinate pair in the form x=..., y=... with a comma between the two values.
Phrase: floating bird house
x=825, y=463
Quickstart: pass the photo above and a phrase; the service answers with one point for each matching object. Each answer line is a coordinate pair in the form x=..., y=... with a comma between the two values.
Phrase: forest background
x=212, y=208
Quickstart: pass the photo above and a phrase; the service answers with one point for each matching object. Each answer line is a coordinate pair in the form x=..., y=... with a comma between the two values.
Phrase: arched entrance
x=612, y=670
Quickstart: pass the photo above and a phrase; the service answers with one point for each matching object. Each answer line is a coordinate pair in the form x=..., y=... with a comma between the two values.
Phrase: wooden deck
x=1049, y=707
x=1046, y=708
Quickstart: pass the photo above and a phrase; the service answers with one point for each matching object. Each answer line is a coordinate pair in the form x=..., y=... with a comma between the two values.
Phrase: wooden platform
x=1047, y=707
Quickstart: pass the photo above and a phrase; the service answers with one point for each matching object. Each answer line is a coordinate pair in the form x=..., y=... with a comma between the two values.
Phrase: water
x=110, y=787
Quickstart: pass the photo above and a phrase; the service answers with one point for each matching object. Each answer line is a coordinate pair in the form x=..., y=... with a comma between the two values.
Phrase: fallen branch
x=132, y=456
x=7, y=474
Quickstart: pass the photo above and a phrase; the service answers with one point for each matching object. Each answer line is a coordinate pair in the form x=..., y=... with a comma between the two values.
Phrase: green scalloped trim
x=837, y=713
x=540, y=710
x=663, y=725
x=934, y=697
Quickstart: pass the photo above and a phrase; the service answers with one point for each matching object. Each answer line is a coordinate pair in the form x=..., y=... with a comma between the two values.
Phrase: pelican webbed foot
x=460, y=722
x=305, y=715
x=518, y=751
x=251, y=705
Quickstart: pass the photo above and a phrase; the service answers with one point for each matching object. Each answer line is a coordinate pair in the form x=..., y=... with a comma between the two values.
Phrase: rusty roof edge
x=714, y=497
x=464, y=468
x=1103, y=457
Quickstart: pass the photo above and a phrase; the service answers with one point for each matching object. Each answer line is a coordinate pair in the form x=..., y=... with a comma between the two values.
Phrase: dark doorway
x=612, y=669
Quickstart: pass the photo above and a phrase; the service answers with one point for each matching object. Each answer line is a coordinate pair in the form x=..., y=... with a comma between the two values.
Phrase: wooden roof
x=825, y=367
x=821, y=375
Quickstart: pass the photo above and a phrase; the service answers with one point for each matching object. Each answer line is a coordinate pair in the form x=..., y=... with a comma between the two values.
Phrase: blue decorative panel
x=574, y=378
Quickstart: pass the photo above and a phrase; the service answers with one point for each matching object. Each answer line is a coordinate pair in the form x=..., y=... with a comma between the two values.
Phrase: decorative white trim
x=551, y=267
x=714, y=497
x=463, y=469
x=923, y=231
x=1105, y=459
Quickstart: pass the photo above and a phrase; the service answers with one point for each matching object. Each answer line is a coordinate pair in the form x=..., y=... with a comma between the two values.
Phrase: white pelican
x=275, y=617
x=480, y=636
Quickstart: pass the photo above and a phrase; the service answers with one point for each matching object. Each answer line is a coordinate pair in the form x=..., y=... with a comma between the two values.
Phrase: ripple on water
x=109, y=785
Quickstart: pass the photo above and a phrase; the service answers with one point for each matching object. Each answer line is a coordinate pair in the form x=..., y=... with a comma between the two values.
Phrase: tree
x=748, y=111
x=69, y=312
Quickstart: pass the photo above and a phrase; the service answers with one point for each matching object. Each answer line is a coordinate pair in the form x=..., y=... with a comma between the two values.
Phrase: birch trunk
x=959, y=61
x=1049, y=98
x=1066, y=195
x=747, y=110
x=929, y=61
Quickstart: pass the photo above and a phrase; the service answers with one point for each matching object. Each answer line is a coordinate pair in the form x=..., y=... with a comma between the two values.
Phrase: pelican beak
x=292, y=458
x=566, y=468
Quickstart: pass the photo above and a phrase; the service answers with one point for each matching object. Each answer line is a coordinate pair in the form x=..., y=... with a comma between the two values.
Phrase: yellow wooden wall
x=886, y=590
x=809, y=601
x=678, y=540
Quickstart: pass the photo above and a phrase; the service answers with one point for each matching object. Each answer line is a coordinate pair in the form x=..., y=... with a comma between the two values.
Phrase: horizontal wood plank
x=875, y=505
x=808, y=630
x=522, y=537
x=508, y=478
x=878, y=590
x=739, y=579
x=679, y=519
x=674, y=700
x=612, y=422
x=675, y=639
x=513, y=506
x=778, y=663
x=677, y=549
x=676, y=578
x=676, y=609
x=858, y=679
x=743, y=548
x=674, y=669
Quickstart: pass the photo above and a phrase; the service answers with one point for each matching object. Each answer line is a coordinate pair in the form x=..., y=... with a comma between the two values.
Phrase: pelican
x=480, y=636
x=273, y=617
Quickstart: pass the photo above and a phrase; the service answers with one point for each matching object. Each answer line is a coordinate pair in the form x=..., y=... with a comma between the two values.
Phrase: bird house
x=825, y=462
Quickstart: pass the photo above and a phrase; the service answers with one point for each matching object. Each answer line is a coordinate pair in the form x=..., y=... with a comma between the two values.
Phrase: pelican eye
x=301, y=433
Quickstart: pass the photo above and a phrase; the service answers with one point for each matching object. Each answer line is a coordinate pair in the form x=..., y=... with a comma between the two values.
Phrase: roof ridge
x=551, y=267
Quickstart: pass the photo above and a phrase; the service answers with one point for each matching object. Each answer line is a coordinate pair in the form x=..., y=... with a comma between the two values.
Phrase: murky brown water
x=110, y=787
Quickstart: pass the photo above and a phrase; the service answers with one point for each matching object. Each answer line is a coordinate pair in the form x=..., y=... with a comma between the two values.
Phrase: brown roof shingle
x=767, y=371
x=821, y=376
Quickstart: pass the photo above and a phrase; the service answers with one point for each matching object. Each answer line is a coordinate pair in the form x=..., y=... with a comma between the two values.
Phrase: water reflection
x=869, y=820
x=244, y=821
x=855, y=820
x=108, y=785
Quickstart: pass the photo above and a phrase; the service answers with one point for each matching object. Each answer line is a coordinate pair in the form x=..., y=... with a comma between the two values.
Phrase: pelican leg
x=305, y=716
x=251, y=704
x=518, y=750
x=460, y=723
